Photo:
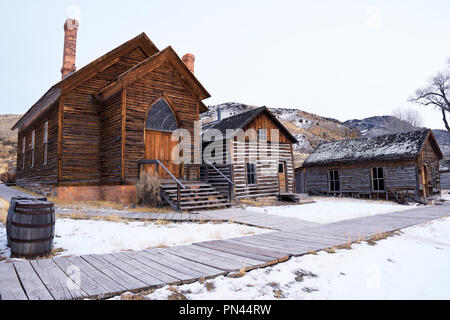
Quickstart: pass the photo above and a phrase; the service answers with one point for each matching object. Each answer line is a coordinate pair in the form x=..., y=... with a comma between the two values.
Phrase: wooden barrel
x=31, y=228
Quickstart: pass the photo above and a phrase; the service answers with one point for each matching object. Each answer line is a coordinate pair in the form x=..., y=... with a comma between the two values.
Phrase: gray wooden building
x=396, y=166
x=257, y=165
x=444, y=170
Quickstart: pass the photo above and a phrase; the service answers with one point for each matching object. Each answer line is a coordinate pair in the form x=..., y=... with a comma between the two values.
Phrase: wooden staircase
x=294, y=197
x=198, y=195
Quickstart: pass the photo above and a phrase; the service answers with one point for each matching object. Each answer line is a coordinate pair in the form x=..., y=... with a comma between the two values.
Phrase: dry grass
x=301, y=274
x=278, y=293
x=52, y=254
x=78, y=215
x=3, y=214
x=260, y=202
x=136, y=296
x=347, y=246
x=101, y=204
x=239, y=274
x=330, y=250
x=382, y=235
x=162, y=222
x=176, y=295
x=312, y=252
x=34, y=194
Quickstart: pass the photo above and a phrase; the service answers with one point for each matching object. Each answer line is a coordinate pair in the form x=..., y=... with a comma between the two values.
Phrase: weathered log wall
x=266, y=168
x=445, y=180
x=357, y=177
x=83, y=125
x=162, y=82
x=111, y=140
x=40, y=172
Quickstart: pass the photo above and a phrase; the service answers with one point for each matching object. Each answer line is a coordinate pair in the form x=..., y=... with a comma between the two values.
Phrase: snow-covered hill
x=379, y=125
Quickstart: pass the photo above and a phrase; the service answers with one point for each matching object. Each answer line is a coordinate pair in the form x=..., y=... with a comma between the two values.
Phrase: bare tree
x=436, y=94
x=409, y=115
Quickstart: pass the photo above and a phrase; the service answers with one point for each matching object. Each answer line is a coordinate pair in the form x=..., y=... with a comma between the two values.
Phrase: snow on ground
x=78, y=237
x=445, y=195
x=328, y=210
x=413, y=265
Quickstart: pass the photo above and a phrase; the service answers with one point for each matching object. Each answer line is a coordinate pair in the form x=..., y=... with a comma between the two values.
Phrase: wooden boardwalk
x=100, y=276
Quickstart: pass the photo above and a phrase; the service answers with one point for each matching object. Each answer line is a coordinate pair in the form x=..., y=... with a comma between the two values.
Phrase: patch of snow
x=413, y=265
x=79, y=237
x=328, y=210
x=445, y=194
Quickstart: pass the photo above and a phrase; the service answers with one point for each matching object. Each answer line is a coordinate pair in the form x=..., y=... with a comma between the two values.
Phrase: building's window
x=280, y=167
x=377, y=179
x=23, y=152
x=333, y=180
x=262, y=134
x=33, y=136
x=45, y=143
x=434, y=178
x=251, y=173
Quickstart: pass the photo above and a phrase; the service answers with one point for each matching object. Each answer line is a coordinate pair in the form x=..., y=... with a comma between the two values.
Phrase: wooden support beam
x=123, y=134
x=60, y=137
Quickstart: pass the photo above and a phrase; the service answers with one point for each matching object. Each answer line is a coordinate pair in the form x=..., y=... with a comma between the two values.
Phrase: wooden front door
x=159, y=145
x=282, y=185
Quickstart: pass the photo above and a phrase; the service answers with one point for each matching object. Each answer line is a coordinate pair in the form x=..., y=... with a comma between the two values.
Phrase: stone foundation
x=117, y=193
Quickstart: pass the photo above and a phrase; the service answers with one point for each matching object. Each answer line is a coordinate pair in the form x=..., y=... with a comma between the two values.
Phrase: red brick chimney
x=70, y=47
x=189, y=60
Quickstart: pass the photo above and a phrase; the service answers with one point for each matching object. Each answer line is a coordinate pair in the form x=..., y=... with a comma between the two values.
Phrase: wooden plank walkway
x=100, y=276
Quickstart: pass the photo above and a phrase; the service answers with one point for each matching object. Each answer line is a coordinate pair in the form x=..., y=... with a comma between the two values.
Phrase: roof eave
x=145, y=67
x=39, y=108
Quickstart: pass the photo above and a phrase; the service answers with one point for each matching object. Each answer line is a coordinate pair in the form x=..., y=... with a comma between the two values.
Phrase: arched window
x=160, y=117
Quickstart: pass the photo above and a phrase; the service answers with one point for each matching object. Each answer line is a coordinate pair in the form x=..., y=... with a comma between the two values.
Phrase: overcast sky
x=341, y=59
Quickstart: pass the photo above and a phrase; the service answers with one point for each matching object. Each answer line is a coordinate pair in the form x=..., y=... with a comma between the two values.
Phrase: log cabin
x=444, y=170
x=401, y=167
x=253, y=152
x=90, y=134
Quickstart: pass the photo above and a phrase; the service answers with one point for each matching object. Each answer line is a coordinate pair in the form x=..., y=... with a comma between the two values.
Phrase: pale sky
x=341, y=59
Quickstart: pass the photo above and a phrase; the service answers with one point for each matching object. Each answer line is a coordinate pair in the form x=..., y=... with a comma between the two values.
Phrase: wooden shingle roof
x=239, y=121
x=384, y=147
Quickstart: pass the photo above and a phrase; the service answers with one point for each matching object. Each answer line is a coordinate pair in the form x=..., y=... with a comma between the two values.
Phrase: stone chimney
x=189, y=60
x=70, y=47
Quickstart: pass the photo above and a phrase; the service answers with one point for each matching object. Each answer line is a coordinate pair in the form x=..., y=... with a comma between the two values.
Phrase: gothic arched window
x=160, y=117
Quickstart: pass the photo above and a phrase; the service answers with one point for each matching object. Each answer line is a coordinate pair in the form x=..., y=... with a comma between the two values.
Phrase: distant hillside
x=8, y=140
x=308, y=128
x=379, y=125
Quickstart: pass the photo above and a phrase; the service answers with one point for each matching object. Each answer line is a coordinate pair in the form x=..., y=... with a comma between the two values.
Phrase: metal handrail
x=224, y=176
x=230, y=183
x=159, y=163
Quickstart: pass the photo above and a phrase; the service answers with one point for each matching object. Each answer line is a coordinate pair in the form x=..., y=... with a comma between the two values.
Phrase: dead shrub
x=278, y=294
x=239, y=274
x=330, y=250
x=131, y=296
x=380, y=236
x=301, y=274
x=176, y=295
x=8, y=177
x=148, y=190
